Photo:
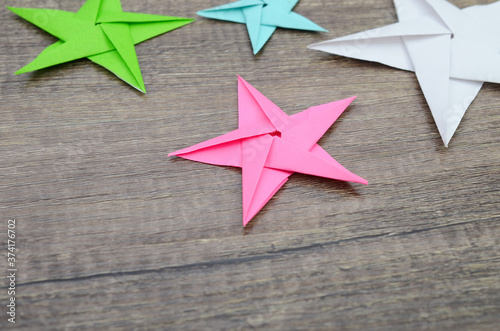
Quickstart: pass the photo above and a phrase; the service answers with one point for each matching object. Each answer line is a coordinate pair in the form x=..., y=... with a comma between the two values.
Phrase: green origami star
x=100, y=31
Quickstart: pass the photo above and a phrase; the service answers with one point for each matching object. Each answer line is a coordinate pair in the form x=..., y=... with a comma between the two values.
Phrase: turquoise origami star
x=100, y=31
x=262, y=17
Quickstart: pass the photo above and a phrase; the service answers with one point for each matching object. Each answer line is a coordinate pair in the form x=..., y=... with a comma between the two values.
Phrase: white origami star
x=452, y=51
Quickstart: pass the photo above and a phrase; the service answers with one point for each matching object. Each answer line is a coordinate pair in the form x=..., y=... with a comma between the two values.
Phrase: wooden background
x=112, y=234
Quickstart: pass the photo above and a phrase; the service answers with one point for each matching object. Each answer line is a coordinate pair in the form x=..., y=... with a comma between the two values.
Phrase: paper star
x=100, y=31
x=262, y=17
x=452, y=51
x=270, y=146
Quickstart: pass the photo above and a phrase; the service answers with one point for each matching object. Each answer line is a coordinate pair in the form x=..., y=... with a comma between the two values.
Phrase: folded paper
x=100, y=31
x=452, y=52
x=270, y=146
x=262, y=17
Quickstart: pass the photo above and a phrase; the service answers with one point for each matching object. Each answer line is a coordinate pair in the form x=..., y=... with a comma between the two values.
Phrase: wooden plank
x=113, y=235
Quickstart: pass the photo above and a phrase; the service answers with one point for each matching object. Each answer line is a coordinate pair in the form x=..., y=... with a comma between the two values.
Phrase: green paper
x=100, y=31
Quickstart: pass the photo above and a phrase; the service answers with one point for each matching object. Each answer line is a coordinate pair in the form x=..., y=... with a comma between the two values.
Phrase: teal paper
x=262, y=17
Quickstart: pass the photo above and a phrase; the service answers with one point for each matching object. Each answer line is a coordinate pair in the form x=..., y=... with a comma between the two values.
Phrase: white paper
x=452, y=52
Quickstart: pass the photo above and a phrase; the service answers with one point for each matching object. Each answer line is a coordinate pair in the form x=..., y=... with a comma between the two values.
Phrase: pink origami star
x=270, y=146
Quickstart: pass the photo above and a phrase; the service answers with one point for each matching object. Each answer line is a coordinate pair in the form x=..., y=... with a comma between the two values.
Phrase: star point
x=270, y=146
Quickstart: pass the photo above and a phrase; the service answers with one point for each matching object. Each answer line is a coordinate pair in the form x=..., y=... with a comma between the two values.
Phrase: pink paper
x=270, y=146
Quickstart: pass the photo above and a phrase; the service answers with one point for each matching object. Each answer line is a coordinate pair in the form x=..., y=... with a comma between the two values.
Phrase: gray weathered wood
x=113, y=235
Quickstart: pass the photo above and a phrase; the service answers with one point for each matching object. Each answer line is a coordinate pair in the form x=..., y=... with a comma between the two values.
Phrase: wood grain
x=113, y=235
